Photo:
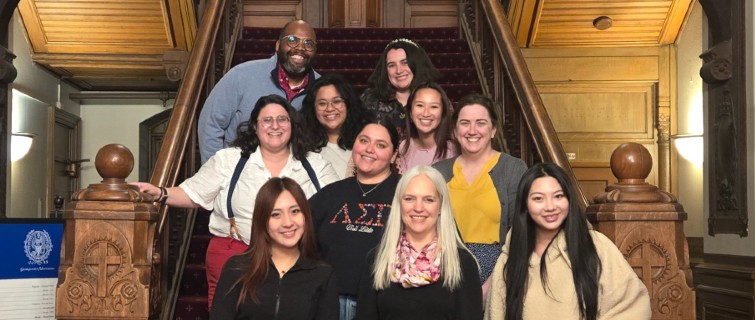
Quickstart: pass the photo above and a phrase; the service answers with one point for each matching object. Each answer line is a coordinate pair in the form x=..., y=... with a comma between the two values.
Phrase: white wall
x=103, y=124
x=33, y=79
x=689, y=120
x=733, y=244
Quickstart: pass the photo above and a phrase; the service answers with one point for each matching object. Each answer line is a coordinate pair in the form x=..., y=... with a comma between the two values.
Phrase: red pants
x=218, y=252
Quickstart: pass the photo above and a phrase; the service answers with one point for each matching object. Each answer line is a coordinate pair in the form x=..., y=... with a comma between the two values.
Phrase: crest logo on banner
x=38, y=246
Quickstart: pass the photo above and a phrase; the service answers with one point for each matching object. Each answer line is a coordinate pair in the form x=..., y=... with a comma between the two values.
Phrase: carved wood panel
x=724, y=74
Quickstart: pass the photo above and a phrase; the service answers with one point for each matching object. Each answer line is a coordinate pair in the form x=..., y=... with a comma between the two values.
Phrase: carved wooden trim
x=373, y=19
x=336, y=13
x=646, y=224
x=174, y=63
x=724, y=286
x=724, y=74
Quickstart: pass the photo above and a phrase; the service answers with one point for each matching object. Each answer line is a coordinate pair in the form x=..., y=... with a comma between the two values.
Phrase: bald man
x=288, y=73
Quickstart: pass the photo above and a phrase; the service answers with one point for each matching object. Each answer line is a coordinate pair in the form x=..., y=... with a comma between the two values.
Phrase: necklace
x=364, y=194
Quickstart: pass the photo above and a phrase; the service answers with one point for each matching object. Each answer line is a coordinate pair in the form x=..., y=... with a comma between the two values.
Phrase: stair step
x=450, y=75
x=194, y=281
x=356, y=46
x=364, y=60
x=198, y=248
x=191, y=308
x=384, y=34
x=202, y=222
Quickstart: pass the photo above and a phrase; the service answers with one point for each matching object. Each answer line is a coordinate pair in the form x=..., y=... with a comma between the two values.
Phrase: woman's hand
x=149, y=189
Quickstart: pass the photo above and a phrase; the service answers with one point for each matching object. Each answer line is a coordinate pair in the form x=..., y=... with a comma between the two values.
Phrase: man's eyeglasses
x=267, y=122
x=293, y=42
x=337, y=103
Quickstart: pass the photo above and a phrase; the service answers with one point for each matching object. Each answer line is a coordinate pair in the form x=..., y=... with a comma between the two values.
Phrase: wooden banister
x=209, y=59
x=506, y=79
x=186, y=103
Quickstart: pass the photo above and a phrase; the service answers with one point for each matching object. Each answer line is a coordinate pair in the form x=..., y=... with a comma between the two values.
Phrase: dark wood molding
x=725, y=101
x=725, y=287
x=7, y=75
x=696, y=249
x=336, y=14
x=373, y=13
x=729, y=259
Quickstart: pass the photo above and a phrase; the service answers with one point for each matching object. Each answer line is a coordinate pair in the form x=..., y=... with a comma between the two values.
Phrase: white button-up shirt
x=209, y=186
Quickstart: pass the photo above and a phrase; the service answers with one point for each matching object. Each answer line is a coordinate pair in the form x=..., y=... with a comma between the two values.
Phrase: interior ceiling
x=107, y=45
x=597, y=23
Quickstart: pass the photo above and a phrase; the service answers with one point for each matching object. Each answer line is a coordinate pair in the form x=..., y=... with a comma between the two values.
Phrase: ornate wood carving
x=724, y=74
x=107, y=261
x=174, y=63
x=646, y=224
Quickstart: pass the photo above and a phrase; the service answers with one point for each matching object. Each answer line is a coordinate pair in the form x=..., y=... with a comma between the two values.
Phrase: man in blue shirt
x=287, y=73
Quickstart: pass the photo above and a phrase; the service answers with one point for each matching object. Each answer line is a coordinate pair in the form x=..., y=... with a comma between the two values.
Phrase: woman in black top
x=350, y=214
x=421, y=269
x=279, y=276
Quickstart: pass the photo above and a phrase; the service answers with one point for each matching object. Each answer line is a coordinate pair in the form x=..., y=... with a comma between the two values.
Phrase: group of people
x=389, y=205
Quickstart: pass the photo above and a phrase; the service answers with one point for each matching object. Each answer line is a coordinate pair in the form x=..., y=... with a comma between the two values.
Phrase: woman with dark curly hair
x=269, y=145
x=402, y=66
x=332, y=117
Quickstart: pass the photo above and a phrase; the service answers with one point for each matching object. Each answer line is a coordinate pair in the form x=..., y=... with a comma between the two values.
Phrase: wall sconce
x=20, y=143
x=690, y=147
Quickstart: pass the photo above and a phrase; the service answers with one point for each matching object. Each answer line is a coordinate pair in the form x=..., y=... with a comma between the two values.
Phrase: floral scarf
x=414, y=268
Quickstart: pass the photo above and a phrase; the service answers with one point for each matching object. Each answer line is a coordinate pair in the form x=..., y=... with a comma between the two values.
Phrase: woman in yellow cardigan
x=555, y=267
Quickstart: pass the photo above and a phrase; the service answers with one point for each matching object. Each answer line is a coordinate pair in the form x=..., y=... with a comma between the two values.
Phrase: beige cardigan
x=621, y=293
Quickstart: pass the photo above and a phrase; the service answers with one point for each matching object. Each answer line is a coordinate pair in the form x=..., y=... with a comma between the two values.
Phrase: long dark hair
x=246, y=132
x=420, y=64
x=356, y=115
x=443, y=132
x=258, y=255
x=585, y=264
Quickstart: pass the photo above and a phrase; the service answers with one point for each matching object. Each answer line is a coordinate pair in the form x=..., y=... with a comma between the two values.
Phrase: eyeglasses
x=267, y=122
x=337, y=103
x=293, y=42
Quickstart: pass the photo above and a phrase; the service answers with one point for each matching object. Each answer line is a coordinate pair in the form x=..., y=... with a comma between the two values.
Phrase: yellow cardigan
x=621, y=294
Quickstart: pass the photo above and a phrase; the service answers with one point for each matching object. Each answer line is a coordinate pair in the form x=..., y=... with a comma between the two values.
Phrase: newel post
x=106, y=261
x=646, y=224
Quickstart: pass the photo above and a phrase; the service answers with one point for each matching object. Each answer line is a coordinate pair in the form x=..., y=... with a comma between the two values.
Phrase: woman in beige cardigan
x=555, y=267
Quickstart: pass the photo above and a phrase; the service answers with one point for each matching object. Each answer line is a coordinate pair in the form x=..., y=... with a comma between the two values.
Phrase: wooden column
x=106, y=263
x=646, y=224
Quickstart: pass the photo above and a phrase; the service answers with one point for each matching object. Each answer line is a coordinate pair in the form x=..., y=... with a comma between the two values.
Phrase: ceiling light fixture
x=602, y=22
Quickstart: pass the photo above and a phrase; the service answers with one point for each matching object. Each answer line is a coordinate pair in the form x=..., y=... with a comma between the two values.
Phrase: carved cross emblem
x=102, y=260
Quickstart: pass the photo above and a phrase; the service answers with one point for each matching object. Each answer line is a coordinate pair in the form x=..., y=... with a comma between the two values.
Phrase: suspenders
x=235, y=179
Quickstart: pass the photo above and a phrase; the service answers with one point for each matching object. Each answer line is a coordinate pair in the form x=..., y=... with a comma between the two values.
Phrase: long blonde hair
x=448, y=237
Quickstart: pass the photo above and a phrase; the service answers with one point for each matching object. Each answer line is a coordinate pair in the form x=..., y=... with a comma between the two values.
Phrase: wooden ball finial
x=631, y=163
x=114, y=161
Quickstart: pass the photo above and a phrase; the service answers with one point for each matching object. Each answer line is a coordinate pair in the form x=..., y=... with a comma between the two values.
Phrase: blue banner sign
x=30, y=249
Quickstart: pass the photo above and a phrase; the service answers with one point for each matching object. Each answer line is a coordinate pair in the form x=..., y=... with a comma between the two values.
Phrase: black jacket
x=307, y=291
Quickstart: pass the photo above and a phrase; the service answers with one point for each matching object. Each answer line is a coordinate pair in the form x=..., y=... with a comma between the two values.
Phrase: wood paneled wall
x=598, y=98
x=352, y=13
x=271, y=13
x=725, y=287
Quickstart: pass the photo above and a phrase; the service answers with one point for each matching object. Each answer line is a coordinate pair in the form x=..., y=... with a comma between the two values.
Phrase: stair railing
x=527, y=130
x=210, y=58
